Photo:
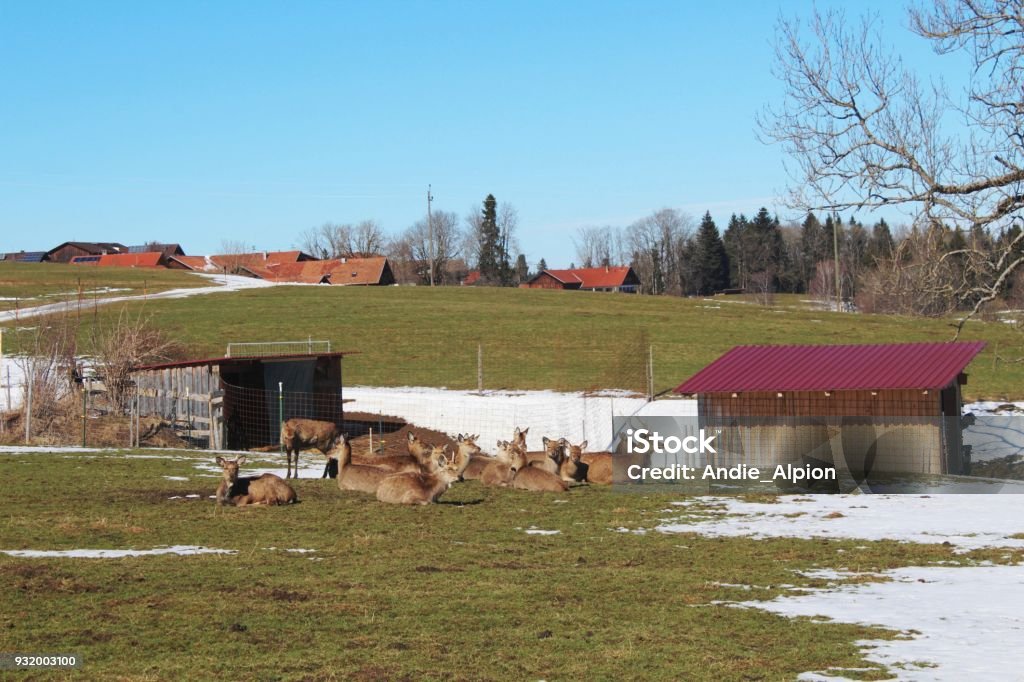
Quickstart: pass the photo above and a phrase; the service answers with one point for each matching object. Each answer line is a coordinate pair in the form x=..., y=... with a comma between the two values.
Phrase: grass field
x=452, y=591
x=533, y=339
x=30, y=284
x=527, y=339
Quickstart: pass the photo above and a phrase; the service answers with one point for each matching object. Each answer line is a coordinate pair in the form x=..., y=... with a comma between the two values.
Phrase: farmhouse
x=63, y=253
x=153, y=259
x=337, y=271
x=863, y=408
x=238, y=263
x=607, y=278
x=234, y=401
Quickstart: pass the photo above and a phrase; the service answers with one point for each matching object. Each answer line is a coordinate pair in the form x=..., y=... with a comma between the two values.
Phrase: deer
x=534, y=477
x=264, y=489
x=465, y=449
x=477, y=460
x=550, y=459
x=572, y=470
x=298, y=433
x=418, y=449
x=422, y=488
x=501, y=470
x=594, y=467
x=356, y=477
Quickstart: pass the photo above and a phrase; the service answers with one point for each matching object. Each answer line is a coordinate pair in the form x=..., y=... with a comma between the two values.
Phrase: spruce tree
x=542, y=265
x=489, y=239
x=711, y=265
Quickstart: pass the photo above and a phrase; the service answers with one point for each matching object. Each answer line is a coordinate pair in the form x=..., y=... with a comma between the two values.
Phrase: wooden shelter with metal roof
x=237, y=402
x=884, y=407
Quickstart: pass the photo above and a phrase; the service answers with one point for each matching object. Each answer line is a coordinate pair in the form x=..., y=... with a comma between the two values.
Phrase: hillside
x=532, y=339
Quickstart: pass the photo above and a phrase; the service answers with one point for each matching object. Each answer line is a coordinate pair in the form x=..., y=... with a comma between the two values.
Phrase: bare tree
x=597, y=246
x=864, y=132
x=447, y=242
x=119, y=345
x=332, y=240
x=655, y=243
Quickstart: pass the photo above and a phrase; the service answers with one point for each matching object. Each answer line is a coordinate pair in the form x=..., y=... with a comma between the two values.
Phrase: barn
x=63, y=253
x=607, y=278
x=237, y=402
x=865, y=409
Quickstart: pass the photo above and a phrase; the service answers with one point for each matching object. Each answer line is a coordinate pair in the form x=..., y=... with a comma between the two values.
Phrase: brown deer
x=572, y=470
x=423, y=488
x=596, y=467
x=519, y=437
x=550, y=459
x=264, y=489
x=298, y=434
x=533, y=477
x=418, y=449
x=465, y=449
x=501, y=470
x=356, y=477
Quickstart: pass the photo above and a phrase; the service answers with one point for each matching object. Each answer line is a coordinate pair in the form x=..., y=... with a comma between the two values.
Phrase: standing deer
x=264, y=489
x=298, y=433
x=424, y=488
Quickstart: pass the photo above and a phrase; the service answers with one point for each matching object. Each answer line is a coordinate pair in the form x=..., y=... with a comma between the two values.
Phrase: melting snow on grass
x=957, y=622
x=966, y=521
x=181, y=550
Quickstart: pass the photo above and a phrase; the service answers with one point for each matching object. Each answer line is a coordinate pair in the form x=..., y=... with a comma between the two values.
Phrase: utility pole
x=430, y=229
x=835, y=248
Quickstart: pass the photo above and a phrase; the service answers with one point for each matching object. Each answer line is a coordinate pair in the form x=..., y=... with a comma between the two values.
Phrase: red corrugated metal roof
x=151, y=259
x=593, y=278
x=834, y=368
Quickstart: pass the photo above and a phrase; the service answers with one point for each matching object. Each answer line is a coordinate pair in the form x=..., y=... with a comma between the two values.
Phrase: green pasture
x=454, y=591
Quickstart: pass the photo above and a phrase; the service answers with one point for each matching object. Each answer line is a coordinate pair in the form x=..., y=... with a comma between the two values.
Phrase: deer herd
x=422, y=475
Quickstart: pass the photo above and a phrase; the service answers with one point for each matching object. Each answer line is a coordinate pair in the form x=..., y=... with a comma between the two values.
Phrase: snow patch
x=965, y=521
x=181, y=550
x=959, y=623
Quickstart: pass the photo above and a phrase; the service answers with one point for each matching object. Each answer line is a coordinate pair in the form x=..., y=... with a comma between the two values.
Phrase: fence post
x=188, y=414
x=8, y=387
x=650, y=372
x=480, y=367
x=210, y=444
x=28, y=408
x=85, y=409
x=131, y=421
x=280, y=418
x=138, y=421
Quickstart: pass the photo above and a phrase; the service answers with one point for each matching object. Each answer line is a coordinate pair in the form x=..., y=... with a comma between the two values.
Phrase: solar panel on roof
x=30, y=257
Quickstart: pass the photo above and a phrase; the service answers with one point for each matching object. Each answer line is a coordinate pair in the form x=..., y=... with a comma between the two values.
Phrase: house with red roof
x=606, y=278
x=375, y=271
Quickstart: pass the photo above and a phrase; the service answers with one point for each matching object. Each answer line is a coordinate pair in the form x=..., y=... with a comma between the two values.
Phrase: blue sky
x=253, y=121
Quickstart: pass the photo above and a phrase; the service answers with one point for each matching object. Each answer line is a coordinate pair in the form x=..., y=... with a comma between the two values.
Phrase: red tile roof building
x=607, y=278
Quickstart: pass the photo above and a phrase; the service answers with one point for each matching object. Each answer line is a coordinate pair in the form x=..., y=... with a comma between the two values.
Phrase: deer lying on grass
x=298, y=433
x=396, y=464
x=423, y=488
x=265, y=489
x=550, y=459
x=594, y=467
x=500, y=470
x=534, y=477
x=357, y=477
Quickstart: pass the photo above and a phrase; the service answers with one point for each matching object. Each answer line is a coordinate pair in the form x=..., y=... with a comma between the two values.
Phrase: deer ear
x=545, y=440
x=240, y=460
x=220, y=461
x=563, y=442
x=583, y=445
x=526, y=430
x=412, y=436
x=516, y=432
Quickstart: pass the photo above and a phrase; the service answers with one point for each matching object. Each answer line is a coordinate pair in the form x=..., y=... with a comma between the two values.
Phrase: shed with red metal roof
x=879, y=407
x=605, y=278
